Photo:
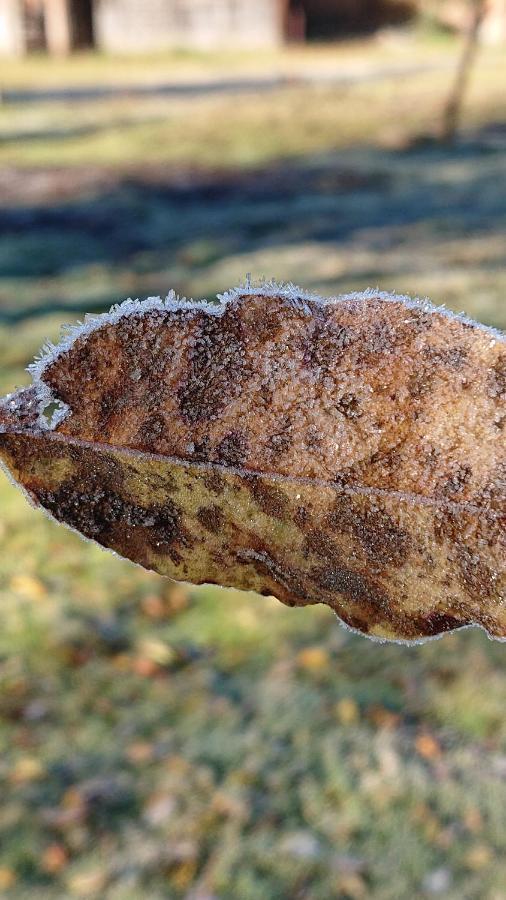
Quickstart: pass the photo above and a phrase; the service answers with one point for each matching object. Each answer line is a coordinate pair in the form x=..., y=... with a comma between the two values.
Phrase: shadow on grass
x=162, y=222
x=71, y=133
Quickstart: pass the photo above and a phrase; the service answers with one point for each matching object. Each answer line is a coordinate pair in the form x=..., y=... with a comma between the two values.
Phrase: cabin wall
x=154, y=25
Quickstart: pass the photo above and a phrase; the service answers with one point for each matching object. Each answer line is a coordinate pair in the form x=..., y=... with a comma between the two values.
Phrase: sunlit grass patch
x=227, y=130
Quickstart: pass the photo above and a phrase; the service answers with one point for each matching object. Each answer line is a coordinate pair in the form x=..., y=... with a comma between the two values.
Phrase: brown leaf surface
x=350, y=451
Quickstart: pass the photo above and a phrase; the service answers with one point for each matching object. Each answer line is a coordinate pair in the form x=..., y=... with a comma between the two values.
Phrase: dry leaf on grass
x=347, y=451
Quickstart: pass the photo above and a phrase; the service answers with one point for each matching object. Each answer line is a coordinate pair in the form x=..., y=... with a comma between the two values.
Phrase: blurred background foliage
x=158, y=741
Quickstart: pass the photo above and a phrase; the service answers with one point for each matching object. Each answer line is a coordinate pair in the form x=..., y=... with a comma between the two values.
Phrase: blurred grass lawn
x=163, y=743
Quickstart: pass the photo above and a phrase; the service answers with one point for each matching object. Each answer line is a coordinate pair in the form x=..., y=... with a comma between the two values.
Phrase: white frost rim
x=294, y=295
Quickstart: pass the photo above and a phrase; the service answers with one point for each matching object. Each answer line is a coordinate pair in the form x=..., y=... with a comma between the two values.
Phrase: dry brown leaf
x=8, y=878
x=347, y=451
x=54, y=859
x=427, y=746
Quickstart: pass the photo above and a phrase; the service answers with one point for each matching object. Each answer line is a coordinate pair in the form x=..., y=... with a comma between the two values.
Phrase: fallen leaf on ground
x=7, y=878
x=140, y=752
x=27, y=769
x=313, y=659
x=478, y=857
x=87, y=884
x=54, y=858
x=28, y=586
x=347, y=711
x=427, y=746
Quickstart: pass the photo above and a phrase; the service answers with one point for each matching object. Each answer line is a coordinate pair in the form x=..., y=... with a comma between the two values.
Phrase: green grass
x=94, y=68
x=158, y=742
x=223, y=130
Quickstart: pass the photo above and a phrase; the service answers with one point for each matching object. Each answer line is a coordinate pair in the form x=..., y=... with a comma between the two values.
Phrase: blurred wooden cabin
x=143, y=26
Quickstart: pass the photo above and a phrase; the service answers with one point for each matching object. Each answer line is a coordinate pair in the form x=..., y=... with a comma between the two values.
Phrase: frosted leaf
x=347, y=450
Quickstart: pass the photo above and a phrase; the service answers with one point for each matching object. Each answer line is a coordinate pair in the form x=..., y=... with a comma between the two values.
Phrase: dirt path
x=338, y=76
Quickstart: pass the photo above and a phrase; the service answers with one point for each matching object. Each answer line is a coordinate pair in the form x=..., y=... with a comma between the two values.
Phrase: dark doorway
x=342, y=18
x=82, y=24
x=295, y=25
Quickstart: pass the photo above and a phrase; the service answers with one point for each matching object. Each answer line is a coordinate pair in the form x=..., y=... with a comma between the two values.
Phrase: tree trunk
x=453, y=108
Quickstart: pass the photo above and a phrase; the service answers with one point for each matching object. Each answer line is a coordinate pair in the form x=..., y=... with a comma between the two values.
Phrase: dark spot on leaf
x=233, y=449
x=382, y=540
x=271, y=500
x=320, y=543
x=215, y=368
x=202, y=451
x=457, y=481
x=291, y=582
x=435, y=623
x=211, y=518
x=447, y=525
x=497, y=379
x=104, y=515
x=349, y=406
x=282, y=440
x=302, y=518
x=150, y=432
x=379, y=338
x=354, y=622
x=214, y=482
x=449, y=357
x=110, y=402
x=325, y=344
x=353, y=586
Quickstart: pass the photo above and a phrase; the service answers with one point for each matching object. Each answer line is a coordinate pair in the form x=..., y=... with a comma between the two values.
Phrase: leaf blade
x=348, y=451
x=387, y=564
